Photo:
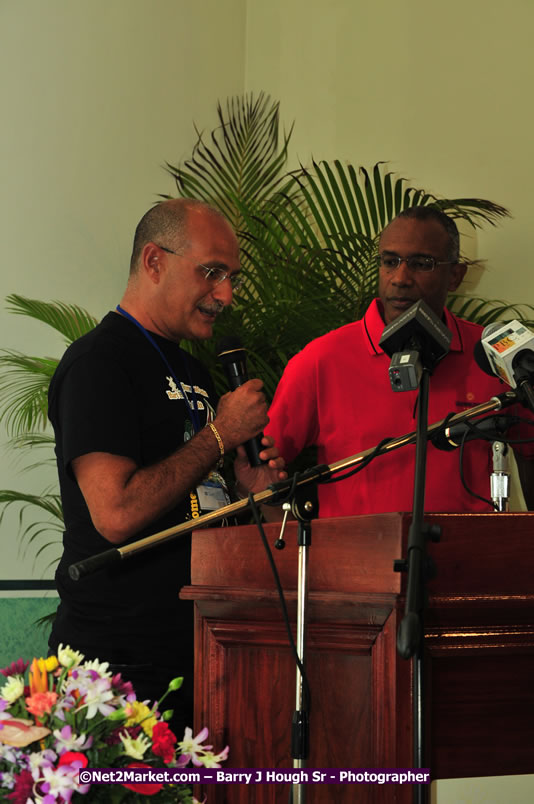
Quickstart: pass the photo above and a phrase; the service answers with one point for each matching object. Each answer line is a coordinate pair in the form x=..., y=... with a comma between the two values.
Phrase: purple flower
x=122, y=687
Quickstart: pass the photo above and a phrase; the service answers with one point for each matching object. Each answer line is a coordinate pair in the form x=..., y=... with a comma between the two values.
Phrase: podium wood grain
x=479, y=661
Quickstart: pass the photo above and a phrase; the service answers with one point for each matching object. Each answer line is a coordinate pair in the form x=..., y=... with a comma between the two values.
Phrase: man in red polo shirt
x=336, y=392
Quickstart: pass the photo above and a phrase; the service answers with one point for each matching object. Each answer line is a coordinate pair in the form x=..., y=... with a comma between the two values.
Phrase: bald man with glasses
x=140, y=438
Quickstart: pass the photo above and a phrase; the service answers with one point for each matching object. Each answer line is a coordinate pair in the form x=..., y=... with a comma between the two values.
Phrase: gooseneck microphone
x=233, y=358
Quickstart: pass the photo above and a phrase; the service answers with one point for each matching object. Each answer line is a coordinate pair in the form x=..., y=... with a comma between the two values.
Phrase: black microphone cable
x=305, y=683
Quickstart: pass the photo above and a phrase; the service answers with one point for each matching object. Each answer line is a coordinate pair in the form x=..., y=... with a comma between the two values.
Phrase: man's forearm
x=123, y=499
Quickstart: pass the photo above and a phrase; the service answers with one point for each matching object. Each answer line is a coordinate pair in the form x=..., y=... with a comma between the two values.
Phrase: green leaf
x=70, y=320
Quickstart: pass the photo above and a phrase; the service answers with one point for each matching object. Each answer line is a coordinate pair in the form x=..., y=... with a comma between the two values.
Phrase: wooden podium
x=479, y=641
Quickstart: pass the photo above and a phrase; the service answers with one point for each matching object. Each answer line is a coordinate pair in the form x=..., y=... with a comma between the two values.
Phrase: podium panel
x=479, y=651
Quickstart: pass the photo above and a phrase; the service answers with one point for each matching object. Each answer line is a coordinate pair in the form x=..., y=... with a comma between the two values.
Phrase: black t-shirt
x=112, y=392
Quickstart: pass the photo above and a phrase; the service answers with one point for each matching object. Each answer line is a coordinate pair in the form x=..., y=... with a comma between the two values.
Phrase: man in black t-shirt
x=139, y=436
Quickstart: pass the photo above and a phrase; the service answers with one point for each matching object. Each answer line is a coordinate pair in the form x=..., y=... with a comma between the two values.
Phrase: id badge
x=212, y=494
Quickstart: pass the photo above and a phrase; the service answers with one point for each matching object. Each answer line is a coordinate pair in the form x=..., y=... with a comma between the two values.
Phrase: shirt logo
x=176, y=393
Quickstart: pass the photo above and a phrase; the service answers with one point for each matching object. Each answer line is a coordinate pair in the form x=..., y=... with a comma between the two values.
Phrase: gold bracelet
x=217, y=436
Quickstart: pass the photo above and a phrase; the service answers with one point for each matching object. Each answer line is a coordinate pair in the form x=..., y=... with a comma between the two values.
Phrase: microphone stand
x=411, y=631
x=276, y=491
x=410, y=636
x=304, y=510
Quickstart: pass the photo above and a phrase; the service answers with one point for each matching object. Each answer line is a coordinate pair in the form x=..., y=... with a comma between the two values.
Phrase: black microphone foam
x=233, y=358
x=417, y=328
x=492, y=428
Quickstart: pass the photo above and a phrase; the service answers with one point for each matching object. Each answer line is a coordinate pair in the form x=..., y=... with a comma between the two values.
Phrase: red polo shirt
x=336, y=394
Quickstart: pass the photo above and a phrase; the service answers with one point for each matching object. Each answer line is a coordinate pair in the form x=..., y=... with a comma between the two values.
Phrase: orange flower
x=41, y=703
x=38, y=676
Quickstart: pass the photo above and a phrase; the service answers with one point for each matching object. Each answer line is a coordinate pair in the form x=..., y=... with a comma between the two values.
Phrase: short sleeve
x=93, y=410
x=293, y=413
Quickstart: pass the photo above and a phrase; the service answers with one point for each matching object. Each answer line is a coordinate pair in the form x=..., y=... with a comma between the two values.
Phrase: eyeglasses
x=213, y=275
x=417, y=263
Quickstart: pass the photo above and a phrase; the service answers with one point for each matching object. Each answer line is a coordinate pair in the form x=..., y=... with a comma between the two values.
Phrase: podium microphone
x=506, y=350
x=233, y=359
x=416, y=336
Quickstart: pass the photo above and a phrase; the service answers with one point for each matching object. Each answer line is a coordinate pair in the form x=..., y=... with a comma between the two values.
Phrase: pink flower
x=41, y=703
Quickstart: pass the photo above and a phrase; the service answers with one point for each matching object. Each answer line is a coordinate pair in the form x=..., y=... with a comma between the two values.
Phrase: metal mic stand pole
x=304, y=510
x=410, y=637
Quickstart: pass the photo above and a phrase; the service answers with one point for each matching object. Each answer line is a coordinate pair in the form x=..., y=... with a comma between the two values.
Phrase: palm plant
x=308, y=237
x=308, y=242
x=24, y=381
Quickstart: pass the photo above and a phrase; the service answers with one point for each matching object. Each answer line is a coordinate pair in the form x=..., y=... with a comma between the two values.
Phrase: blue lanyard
x=192, y=408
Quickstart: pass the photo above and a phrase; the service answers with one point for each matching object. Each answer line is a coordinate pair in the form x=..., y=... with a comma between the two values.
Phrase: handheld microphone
x=506, y=350
x=233, y=359
x=492, y=428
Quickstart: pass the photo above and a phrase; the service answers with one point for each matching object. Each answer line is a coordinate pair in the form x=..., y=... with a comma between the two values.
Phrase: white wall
x=440, y=90
x=95, y=97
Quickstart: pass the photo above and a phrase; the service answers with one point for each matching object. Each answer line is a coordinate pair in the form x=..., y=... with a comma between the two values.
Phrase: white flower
x=68, y=657
x=59, y=781
x=40, y=759
x=66, y=740
x=192, y=745
x=12, y=689
x=135, y=748
x=8, y=754
x=97, y=697
x=8, y=780
x=211, y=760
x=99, y=667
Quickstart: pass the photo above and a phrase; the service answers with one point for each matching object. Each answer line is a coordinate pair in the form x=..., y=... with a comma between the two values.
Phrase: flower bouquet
x=74, y=714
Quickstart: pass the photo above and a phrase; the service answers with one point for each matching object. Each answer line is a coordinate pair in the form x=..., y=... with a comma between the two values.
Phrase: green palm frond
x=70, y=320
x=24, y=379
x=242, y=162
x=343, y=199
x=33, y=533
x=24, y=382
x=30, y=440
x=486, y=311
x=32, y=443
x=47, y=501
